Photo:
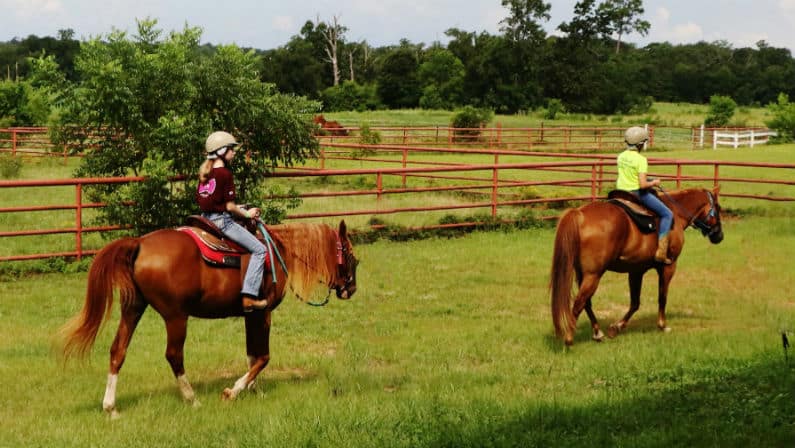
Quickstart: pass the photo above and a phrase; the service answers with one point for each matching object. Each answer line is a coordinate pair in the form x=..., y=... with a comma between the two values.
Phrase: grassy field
x=447, y=343
x=661, y=114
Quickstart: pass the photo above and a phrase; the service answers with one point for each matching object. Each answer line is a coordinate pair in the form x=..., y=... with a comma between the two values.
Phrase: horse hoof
x=665, y=329
x=195, y=404
x=114, y=414
x=228, y=395
x=612, y=331
x=598, y=336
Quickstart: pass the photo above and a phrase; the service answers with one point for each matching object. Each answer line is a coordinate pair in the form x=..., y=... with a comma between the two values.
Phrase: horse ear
x=343, y=230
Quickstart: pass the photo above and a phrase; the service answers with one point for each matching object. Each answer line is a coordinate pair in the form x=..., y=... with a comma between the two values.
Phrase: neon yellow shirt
x=630, y=164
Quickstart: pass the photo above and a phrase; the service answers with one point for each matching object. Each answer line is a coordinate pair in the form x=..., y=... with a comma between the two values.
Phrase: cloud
x=663, y=15
x=283, y=23
x=688, y=32
x=787, y=5
x=27, y=9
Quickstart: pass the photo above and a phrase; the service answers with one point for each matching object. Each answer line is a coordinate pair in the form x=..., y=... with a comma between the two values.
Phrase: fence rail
x=493, y=184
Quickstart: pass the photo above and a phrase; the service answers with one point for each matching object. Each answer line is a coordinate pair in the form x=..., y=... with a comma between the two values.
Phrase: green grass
x=448, y=342
x=661, y=114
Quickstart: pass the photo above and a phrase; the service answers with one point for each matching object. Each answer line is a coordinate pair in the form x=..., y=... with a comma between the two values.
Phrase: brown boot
x=661, y=256
x=251, y=303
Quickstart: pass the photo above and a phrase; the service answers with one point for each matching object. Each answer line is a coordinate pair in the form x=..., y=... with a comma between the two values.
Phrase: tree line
x=588, y=67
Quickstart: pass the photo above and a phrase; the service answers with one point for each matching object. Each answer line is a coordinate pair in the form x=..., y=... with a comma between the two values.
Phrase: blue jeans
x=239, y=234
x=654, y=204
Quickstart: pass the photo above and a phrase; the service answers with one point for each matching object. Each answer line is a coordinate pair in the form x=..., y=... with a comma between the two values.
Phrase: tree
x=149, y=102
x=523, y=22
x=442, y=78
x=332, y=34
x=398, y=85
x=623, y=17
x=721, y=110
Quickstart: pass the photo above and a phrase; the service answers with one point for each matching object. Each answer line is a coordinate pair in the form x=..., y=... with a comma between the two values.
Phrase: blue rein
x=271, y=249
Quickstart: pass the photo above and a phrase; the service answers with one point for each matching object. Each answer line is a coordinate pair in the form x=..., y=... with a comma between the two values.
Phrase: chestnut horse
x=165, y=270
x=600, y=237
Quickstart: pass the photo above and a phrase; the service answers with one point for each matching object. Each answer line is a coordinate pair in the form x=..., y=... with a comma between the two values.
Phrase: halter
x=693, y=220
x=343, y=257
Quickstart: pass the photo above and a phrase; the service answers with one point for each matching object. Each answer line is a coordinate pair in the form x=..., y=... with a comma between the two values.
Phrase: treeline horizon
x=586, y=70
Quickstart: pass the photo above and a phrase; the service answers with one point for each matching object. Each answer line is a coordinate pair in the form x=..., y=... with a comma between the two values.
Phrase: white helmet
x=218, y=140
x=636, y=135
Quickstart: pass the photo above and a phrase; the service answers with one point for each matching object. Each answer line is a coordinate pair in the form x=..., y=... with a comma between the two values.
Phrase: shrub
x=721, y=110
x=783, y=121
x=468, y=122
x=554, y=107
x=10, y=166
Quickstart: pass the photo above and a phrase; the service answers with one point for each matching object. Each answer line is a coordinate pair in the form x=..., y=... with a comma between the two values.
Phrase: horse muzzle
x=345, y=292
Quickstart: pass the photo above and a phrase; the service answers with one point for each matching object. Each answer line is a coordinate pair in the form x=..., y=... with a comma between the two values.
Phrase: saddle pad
x=643, y=219
x=214, y=251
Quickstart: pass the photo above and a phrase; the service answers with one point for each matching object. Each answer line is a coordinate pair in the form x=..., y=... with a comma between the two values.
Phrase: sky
x=267, y=24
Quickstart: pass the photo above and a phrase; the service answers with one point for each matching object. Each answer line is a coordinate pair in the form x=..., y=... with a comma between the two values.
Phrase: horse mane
x=311, y=253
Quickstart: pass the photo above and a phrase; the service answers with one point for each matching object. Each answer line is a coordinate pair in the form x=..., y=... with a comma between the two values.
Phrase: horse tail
x=111, y=269
x=567, y=253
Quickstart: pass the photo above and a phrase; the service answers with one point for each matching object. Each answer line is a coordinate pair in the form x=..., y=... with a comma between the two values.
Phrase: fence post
x=13, y=143
x=714, y=139
x=79, y=220
x=701, y=136
x=678, y=175
x=736, y=139
x=752, y=138
x=379, y=182
x=494, y=186
x=322, y=158
x=405, y=162
x=593, y=183
x=716, y=175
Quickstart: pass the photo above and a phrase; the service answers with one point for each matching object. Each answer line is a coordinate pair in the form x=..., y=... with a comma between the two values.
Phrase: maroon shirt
x=219, y=189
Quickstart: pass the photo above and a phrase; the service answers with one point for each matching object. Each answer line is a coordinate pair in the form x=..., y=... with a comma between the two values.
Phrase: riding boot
x=661, y=256
x=251, y=303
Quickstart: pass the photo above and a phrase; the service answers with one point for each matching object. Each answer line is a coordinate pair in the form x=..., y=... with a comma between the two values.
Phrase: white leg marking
x=185, y=388
x=109, y=402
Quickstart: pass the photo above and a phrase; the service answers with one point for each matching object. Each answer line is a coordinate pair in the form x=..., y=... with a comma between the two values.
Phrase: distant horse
x=331, y=127
x=165, y=269
x=600, y=237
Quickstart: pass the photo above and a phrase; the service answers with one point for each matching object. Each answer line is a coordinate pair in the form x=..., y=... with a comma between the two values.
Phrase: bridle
x=346, y=268
x=696, y=222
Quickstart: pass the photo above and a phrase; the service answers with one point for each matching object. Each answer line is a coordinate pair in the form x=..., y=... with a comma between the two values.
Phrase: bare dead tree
x=350, y=61
x=332, y=35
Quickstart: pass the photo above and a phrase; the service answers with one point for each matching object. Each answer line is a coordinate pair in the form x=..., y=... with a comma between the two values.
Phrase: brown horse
x=331, y=127
x=600, y=237
x=164, y=269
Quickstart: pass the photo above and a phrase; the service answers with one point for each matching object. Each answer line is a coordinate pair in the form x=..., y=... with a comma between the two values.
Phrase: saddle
x=645, y=220
x=215, y=248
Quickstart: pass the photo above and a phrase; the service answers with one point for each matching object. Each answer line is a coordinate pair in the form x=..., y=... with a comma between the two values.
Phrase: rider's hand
x=254, y=212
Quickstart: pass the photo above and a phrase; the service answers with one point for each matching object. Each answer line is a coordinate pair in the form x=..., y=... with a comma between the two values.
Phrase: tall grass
x=448, y=342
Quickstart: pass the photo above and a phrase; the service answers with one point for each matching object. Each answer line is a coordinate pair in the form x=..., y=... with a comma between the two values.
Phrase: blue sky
x=270, y=23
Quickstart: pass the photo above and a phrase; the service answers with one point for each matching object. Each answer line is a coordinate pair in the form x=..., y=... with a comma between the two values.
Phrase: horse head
x=707, y=217
x=345, y=283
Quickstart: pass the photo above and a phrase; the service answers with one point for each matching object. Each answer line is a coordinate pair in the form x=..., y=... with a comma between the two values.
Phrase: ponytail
x=205, y=169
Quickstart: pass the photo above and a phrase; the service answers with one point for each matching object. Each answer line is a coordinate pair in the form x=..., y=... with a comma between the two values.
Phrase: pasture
x=447, y=343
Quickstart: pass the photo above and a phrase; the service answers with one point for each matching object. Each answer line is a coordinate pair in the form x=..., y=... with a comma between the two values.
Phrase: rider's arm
x=644, y=182
x=235, y=209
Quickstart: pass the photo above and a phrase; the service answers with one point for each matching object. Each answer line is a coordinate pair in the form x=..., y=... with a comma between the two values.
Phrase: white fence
x=736, y=139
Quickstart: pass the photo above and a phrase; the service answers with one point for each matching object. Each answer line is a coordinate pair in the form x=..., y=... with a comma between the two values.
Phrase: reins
x=271, y=247
x=692, y=220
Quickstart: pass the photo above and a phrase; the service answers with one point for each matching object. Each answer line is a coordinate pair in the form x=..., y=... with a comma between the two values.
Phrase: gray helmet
x=636, y=135
x=218, y=140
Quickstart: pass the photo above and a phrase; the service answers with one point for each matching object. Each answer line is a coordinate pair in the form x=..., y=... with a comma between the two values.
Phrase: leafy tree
x=398, y=85
x=149, y=102
x=350, y=96
x=623, y=17
x=721, y=110
x=442, y=78
x=783, y=121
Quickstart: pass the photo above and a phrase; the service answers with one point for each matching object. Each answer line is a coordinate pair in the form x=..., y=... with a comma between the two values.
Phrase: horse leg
x=635, y=286
x=257, y=347
x=586, y=290
x=598, y=336
x=130, y=316
x=665, y=274
x=176, y=329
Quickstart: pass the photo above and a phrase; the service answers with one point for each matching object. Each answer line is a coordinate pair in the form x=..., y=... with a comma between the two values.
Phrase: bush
x=350, y=96
x=554, y=107
x=721, y=110
x=783, y=121
x=10, y=166
x=468, y=122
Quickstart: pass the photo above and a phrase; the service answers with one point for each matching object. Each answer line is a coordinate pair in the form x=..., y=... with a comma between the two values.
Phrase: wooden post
x=405, y=162
x=79, y=220
x=379, y=182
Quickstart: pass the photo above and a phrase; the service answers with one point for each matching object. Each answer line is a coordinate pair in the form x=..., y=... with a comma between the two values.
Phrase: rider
x=632, y=170
x=216, y=198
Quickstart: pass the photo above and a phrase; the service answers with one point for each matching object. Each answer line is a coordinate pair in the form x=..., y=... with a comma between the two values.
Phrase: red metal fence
x=494, y=181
